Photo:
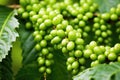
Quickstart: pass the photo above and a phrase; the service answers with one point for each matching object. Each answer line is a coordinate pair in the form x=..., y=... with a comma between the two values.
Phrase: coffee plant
x=60, y=40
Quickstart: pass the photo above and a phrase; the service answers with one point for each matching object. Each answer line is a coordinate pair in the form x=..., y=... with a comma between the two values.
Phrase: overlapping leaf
x=8, y=34
x=29, y=70
x=6, y=68
x=27, y=44
x=59, y=68
x=101, y=72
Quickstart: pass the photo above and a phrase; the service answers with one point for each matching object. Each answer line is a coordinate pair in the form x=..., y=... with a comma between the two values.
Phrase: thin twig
x=45, y=76
x=14, y=6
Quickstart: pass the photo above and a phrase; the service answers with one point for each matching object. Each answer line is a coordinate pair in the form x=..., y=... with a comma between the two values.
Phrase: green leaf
x=59, y=68
x=16, y=55
x=29, y=69
x=27, y=44
x=100, y=72
x=29, y=72
x=105, y=5
x=8, y=34
x=6, y=69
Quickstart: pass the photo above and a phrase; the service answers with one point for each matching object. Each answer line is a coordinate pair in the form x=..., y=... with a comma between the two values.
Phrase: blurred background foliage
x=8, y=2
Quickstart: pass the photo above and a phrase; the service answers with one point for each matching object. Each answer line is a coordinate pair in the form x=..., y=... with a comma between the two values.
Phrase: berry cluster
x=76, y=28
x=101, y=54
x=106, y=27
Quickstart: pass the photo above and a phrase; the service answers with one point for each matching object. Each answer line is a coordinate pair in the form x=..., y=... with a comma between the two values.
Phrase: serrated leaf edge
x=8, y=45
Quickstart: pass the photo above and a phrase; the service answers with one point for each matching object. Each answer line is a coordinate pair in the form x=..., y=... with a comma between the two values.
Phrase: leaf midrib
x=5, y=22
